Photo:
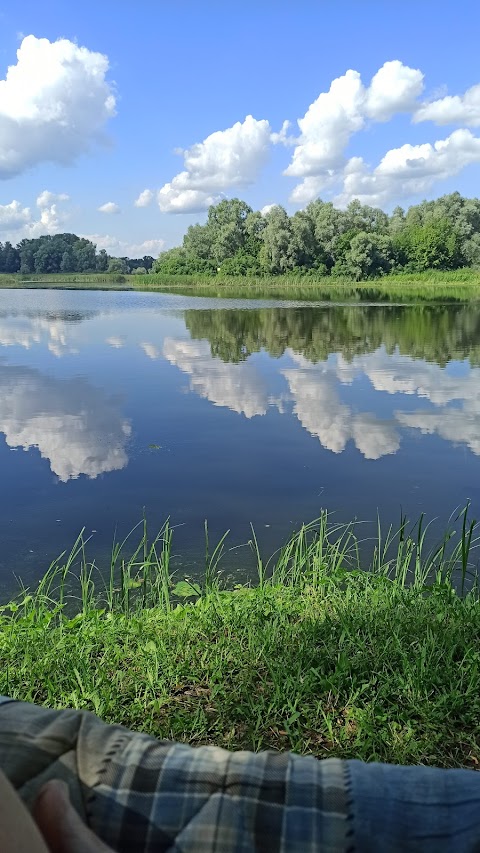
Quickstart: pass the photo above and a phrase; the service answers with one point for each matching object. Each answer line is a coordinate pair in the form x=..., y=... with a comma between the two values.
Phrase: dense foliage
x=359, y=242
x=64, y=253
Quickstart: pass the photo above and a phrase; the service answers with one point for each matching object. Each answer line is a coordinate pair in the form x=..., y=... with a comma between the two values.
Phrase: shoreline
x=461, y=286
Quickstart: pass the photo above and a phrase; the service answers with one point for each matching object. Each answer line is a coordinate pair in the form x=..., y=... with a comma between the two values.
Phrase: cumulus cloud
x=109, y=207
x=332, y=119
x=225, y=159
x=52, y=215
x=452, y=109
x=144, y=198
x=54, y=102
x=17, y=222
x=238, y=387
x=322, y=414
x=53, y=333
x=402, y=374
x=327, y=126
x=408, y=170
x=454, y=425
x=122, y=248
x=47, y=198
x=74, y=425
x=13, y=216
x=393, y=89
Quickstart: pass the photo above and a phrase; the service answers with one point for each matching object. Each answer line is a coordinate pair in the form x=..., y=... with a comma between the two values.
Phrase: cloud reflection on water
x=74, y=425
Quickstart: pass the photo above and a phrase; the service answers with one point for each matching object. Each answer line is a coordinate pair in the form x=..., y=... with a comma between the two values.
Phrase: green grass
x=459, y=285
x=318, y=656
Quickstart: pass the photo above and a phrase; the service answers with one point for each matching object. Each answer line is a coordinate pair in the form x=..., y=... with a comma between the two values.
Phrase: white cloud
x=283, y=137
x=109, y=207
x=27, y=331
x=454, y=425
x=311, y=187
x=453, y=109
x=225, y=159
x=17, y=222
x=53, y=104
x=150, y=350
x=267, y=208
x=115, y=342
x=13, y=216
x=398, y=374
x=408, y=170
x=122, y=248
x=322, y=414
x=332, y=119
x=374, y=438
x=52, y=217
x=327, y=126
x=144, y=198
x=393, y=89
x=238, y=387
x=74, y=425
x=47, y=198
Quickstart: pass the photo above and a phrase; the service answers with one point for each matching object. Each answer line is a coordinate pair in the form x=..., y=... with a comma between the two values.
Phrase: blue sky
x=181, y=71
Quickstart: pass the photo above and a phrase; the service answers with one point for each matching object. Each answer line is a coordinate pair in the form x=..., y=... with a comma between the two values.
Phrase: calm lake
x=232, y=410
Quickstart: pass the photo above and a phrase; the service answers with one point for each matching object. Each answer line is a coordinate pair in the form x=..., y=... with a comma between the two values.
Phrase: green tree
x=366, y=256
x=101, y=261
x=117, y=265
x=177, y=261
x=67, y=263
x=85, y=257
x=277, y=254
x=329, y=225
x=242, y=263
x=434, y=245
x=10, y=262
x=198, y=242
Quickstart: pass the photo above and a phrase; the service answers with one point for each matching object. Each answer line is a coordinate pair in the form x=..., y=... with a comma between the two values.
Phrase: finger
x=18, y=832
x=60, y=824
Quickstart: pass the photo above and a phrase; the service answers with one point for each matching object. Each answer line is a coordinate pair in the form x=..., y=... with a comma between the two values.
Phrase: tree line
x=65, y=253
x=359, y=242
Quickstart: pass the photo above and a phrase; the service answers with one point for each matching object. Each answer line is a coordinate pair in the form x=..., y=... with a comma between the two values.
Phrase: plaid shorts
x=140, y=794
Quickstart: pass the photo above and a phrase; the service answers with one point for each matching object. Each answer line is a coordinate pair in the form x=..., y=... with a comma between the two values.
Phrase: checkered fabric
x=140, y=794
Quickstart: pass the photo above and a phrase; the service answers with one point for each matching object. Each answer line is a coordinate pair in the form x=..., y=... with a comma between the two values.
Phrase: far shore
x=432, y=286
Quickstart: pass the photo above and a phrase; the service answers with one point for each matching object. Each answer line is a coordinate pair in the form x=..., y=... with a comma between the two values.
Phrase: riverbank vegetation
x=358, y=243
x=317, y=655
x=457, y=286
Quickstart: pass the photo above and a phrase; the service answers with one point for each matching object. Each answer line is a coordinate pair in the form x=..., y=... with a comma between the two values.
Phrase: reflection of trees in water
x=435, y=333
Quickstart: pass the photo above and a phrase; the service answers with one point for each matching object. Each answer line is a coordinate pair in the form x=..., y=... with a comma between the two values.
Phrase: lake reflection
x=235, y=411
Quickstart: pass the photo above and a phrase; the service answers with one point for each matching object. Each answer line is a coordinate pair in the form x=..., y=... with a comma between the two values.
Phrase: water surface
x=233, y=410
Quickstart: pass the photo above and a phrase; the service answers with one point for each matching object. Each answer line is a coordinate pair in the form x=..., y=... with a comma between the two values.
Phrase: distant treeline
x=65, y=253
x=359, y=242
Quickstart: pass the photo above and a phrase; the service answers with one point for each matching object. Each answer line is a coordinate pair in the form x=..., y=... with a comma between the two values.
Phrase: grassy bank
x=318, y=656
x=460, y=285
